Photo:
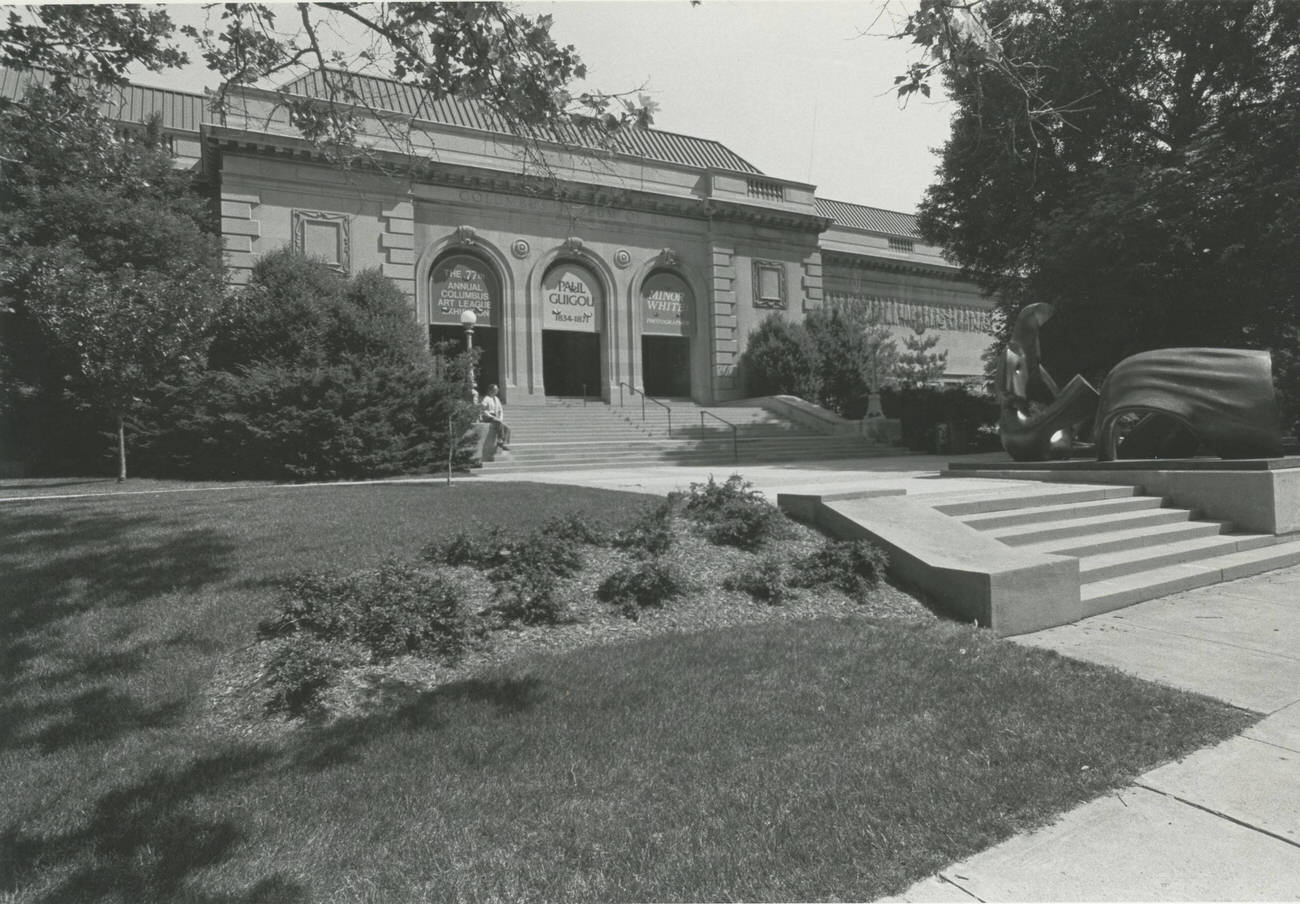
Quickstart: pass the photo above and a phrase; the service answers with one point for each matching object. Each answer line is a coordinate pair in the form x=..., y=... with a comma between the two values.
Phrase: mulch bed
x=238, y=693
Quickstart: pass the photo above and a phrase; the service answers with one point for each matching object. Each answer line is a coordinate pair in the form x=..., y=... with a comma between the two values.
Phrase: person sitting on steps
x=495, y=412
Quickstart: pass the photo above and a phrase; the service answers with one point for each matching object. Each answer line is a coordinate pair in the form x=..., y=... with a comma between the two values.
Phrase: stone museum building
x=644, y=261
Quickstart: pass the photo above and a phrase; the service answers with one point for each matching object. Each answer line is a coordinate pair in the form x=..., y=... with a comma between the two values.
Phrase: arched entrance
x=573, y=306
x=667, y=323
x=459, y=282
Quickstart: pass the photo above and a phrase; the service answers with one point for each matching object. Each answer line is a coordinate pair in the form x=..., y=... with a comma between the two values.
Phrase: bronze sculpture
x=1167, y=403
x=1032, y=430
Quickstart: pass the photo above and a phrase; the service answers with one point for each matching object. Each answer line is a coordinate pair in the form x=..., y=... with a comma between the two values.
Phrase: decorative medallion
x=622, y=259
x=520, y=248
x=465, y=235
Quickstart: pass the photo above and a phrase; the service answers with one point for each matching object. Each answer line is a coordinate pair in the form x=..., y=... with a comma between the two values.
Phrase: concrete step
x=1104, y=566
x=1025, y=534
x=980, y=501
x=1127, y=538
x=1061, y=511
x=1127, y=590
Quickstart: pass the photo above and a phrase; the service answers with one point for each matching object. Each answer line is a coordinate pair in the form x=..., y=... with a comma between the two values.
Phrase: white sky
x=802, y=90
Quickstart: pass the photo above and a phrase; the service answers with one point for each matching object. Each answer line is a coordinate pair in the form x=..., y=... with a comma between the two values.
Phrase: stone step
x=1104, y=566
x=980, y=501
x=1127, y=590
x=1127, y=538
x=1061, y=511
x=1025, y=534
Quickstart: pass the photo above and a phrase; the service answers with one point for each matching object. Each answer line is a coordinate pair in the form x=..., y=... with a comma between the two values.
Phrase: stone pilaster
x=398, y=243
x=239, y=232
x=725, y=343
x=813, y=291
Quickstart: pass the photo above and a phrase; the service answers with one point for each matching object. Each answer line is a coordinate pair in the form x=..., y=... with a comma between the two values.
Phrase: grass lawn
x=783, y=760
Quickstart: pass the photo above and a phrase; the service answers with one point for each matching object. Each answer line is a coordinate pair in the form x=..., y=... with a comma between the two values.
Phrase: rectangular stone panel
x=237, y=242
x=240, y=227
x=403, y=210
x=239, y=210
x=390, y=240
x=399, y=271
x=401, y=227
x=401, y=256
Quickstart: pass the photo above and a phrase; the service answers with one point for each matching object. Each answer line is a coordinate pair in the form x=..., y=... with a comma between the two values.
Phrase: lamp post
x=467, y=319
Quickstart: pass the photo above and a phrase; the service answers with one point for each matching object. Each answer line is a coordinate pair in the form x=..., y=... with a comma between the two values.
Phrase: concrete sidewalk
x=1222, y=824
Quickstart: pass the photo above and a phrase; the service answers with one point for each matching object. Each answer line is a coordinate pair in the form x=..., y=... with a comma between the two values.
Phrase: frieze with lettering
x=572, y=300
x=895, y=312
x=461, y=283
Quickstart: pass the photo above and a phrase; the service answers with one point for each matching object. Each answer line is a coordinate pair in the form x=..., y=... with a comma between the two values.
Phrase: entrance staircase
x=1130, y=547
x=568, y=434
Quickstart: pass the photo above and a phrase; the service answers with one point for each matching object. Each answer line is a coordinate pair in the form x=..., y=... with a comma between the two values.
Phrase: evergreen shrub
x=649, y=582
x=765, y=581
x=854, y=566
x=732, y=513
x=331, y=621
x=311, y=376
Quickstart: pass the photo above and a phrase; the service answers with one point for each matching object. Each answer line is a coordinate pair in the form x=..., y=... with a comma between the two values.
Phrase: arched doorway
x=573, y=306
x=667, y=323
x=459, y=282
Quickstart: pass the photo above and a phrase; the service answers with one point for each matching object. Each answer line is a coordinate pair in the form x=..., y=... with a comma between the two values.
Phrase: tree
x=109, y=271
x=919, y=364
x=1147, y=191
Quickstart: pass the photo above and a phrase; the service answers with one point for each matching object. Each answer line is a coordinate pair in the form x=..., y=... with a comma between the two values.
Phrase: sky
x=802, y=90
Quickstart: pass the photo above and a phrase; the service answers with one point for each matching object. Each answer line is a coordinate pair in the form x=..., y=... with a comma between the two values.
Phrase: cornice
x=863, y=261
x=223, y=139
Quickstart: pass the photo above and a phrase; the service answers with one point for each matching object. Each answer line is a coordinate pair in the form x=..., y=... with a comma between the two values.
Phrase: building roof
x=386, y=95
x=871, y=219
x=179, y=111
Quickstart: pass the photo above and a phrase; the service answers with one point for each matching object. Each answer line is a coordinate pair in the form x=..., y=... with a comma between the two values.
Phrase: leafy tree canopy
x=484, y=51
x=1133, y=163
x=110, y=275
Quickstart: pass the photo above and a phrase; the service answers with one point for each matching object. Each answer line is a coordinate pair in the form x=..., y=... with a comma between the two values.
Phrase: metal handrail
x=644, y=398
x=735, y=433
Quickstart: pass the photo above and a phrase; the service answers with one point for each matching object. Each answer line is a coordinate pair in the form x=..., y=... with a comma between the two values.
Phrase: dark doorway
x=666, y=366
x=571, y=361
x=452, y=339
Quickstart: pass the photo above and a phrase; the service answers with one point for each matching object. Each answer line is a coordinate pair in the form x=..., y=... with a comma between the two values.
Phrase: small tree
x=918, y=364
x=107, y=259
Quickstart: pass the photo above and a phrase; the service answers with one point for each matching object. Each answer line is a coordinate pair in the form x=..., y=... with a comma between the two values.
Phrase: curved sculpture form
x=1219, y=397
x=1033, y=431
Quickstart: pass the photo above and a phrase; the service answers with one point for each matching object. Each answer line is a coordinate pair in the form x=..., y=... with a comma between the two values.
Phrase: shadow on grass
x=142, y=842
x=77, y=585
x=397, y=708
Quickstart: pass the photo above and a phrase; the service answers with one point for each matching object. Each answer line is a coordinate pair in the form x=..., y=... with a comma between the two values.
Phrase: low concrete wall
x=1263, y=499
x=953, y=567
x=806, y=414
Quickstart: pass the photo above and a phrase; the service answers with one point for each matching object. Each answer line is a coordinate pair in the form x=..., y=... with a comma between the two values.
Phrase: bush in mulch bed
x=695, y=552
x=765, y=581
x=854, y=566
x=649, y=582
x=331, y=622
x=732, y=513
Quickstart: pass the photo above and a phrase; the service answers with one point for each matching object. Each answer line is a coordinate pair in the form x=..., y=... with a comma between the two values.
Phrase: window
x=322, y=236
x=769, y=284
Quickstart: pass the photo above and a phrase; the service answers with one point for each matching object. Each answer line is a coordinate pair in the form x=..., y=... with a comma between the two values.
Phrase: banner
x=667, y=305
x=461, y=283
x=572, y=300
